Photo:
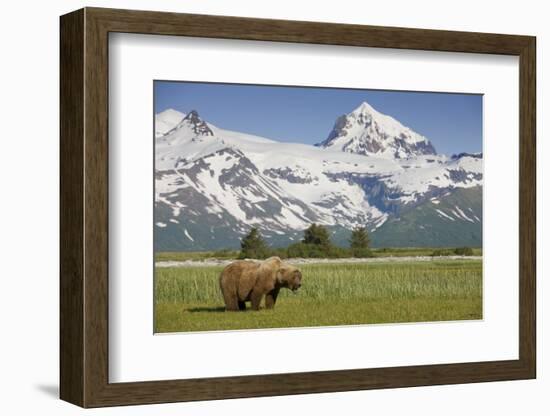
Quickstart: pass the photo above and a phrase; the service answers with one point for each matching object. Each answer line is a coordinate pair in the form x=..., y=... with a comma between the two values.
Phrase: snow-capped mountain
x=166, y=121
x=212, y=185
x=365, y=131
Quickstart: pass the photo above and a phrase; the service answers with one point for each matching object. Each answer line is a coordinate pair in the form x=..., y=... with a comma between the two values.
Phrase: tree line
x=316, y=243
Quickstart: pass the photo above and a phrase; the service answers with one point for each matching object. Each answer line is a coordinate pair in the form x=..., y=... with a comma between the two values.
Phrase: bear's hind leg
x=231, y=303
x=242, y=306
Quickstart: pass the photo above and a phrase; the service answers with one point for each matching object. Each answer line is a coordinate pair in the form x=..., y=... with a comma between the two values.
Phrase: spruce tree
x=317, y=234
x=359, y=238
x=359, y=242
x=253, y=245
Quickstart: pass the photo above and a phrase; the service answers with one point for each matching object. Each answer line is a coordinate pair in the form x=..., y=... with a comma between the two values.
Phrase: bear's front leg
x=255, y=300
x=271, y=298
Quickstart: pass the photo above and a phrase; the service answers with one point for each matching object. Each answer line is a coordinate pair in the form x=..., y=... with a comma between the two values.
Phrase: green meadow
x=189, y=298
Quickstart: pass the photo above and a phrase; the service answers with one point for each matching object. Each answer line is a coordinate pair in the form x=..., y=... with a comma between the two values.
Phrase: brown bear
x=243, y=281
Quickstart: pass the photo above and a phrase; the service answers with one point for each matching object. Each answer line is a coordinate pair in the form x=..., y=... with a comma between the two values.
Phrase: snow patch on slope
x=166, y=121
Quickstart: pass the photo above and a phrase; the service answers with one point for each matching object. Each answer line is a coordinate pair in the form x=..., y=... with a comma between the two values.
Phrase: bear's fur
x=244, y=280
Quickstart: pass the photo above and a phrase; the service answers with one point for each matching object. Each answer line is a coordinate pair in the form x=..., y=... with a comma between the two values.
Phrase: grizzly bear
x=243, y=281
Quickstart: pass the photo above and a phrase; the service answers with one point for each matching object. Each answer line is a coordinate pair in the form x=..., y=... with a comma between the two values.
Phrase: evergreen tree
x=317, y=234
x=359, y=242
x=254, y=246
x=359, y=238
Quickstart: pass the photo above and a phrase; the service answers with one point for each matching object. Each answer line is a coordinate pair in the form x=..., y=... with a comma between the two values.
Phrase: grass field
x=189, y=298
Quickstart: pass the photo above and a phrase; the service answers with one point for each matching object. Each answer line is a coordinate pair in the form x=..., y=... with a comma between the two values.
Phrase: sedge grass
x=189, y=299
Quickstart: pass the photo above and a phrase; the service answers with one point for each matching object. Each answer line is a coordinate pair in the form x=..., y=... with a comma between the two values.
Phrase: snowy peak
x=366, y=131
x=191, y=138
x=166, y=121
x=195, y=123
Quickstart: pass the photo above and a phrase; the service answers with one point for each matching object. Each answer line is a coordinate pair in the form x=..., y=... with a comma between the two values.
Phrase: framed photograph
x=256, y=207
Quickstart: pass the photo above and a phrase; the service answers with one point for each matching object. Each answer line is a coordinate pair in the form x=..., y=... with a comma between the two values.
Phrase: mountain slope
x=212, y=185
x=166, y=121
x=453, y=219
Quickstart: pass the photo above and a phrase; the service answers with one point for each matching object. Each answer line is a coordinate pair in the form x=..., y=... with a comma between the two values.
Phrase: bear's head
x=290, y=277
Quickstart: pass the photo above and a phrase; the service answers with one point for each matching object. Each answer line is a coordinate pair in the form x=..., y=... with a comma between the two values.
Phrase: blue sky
x=452, y=122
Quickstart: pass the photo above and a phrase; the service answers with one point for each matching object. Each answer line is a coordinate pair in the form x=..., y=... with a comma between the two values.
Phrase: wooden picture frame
x=84, y=207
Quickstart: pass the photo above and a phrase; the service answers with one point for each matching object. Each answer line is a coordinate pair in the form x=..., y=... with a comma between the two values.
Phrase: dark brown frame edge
x=84, y=207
